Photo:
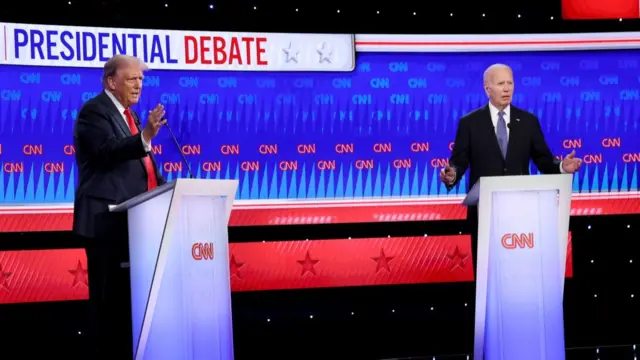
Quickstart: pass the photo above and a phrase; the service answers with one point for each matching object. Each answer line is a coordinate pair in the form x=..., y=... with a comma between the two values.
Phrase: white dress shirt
x=121, y=109
x=494, y=117
x=507, y=119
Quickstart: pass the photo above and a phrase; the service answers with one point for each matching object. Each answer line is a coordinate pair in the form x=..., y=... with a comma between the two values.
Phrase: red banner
x=43, y=275
x=248, y=213
x=56, y=275
x=344, y=262
x=600, y=9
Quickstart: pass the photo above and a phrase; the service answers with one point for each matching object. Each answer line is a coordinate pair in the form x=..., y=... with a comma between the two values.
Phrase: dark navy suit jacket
x=110, y=167
x=476, y=147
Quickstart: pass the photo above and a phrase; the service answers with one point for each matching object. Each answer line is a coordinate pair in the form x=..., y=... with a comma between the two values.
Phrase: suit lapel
x=153, y=159
x=514, y=130
x=137, y=121
x=493, y=138
x=115, y=114
x=118, y=119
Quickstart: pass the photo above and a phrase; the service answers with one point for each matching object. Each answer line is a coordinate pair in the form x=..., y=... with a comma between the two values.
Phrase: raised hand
x=571, y=163
x=155, y=121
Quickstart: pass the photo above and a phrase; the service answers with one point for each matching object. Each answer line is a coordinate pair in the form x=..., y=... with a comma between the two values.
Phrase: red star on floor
x=458, y=260
x=382, y=261
x=307, y=264
x=235, y=267
x=4, y=277
x=79, y=275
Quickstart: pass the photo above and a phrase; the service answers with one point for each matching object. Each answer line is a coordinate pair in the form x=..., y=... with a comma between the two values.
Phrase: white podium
x=179, y=262
x=523, y=229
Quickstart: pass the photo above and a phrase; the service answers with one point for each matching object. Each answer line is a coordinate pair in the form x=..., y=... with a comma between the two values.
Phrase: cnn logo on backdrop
x=202, y=251
x=517, y=241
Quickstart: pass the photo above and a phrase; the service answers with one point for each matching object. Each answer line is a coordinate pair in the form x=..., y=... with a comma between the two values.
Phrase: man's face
x=127, y=85
x=499, y=87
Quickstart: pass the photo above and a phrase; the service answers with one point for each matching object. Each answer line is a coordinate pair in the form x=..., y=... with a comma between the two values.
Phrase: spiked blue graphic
x=340, y=185
x=303, y=119
x=595, y=186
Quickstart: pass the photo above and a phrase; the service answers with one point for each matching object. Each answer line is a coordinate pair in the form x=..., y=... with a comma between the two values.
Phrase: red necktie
x=152, y=182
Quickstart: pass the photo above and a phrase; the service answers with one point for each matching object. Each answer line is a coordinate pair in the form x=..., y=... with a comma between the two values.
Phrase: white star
x=325, y=53
x=292, y=55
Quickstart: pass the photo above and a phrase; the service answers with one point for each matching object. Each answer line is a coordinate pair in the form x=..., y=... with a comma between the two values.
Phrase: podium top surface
x=212, y=187
x=124, y=206
x=560, y=182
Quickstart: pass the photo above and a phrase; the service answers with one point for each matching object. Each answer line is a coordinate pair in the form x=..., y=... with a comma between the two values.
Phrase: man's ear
x=111, y=83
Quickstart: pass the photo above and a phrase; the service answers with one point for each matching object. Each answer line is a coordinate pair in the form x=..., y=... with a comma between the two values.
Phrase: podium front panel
x=147, y=222
x=524, y=297
x=188, y=315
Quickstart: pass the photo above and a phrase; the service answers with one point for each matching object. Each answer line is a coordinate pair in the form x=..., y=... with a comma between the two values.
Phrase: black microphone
x=184, y=158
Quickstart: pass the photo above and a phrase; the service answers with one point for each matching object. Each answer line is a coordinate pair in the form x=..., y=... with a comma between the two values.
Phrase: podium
x=179, y=263
x=523, y=228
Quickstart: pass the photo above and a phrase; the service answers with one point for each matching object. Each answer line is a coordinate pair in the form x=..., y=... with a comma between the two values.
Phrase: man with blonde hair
x=115, y=163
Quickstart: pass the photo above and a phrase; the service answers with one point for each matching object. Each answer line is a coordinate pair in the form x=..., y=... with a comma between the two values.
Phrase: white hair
x=492, y=68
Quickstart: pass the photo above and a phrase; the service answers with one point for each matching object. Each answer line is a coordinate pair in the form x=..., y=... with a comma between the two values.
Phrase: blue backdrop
x=383, y=130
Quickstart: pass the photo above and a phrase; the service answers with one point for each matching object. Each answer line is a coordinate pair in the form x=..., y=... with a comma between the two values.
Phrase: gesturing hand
x=448, y=175
x=570, y=163
x=154, y=122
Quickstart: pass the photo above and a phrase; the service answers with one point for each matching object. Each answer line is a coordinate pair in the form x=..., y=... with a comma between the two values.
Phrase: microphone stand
x=184, y=158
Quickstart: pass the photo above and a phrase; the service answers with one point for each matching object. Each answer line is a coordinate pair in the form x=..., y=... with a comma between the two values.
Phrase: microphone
x=184, y=158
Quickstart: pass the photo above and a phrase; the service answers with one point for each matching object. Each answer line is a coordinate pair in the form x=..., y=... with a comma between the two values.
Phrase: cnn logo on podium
x=202, y=251
x=515, y=241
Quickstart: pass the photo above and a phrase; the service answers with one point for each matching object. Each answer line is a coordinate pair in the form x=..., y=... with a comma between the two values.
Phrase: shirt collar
x=494, y=110
x=115, y=102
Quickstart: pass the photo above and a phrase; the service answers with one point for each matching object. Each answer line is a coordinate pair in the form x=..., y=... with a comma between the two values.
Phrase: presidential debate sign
x=383, y=131
x=70, y=46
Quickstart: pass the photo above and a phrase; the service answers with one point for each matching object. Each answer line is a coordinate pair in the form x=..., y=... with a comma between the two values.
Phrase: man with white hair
x=479, y=132
x=115, y=163
x=499, y=139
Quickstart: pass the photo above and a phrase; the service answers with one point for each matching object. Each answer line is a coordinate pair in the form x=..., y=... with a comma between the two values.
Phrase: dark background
x=357, y=16
x=605, y=264
x=605, y=255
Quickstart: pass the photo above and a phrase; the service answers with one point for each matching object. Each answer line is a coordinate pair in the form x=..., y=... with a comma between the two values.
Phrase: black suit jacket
x=476, y=147
x=110, y=167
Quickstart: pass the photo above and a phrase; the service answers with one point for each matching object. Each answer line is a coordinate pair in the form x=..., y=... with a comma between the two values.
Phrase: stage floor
x=56, y=329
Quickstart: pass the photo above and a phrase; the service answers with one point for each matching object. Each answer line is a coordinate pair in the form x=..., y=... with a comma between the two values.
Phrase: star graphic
x=307, y=264
x=458, y=259
x=292, y=55
x=235, y=267
x=325, y=53
x=79, y=275
x=382, y=261
x=4, y=276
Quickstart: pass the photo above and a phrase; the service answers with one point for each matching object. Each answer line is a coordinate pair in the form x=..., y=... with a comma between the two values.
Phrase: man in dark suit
x=499, y=139
x=115, y=163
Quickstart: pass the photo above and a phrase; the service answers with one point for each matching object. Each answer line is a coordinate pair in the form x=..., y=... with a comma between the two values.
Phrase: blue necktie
x=503, y=138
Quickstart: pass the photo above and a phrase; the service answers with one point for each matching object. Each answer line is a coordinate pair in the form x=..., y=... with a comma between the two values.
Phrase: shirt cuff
x=147, y=146
x=561, y=169
x=455, y=176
